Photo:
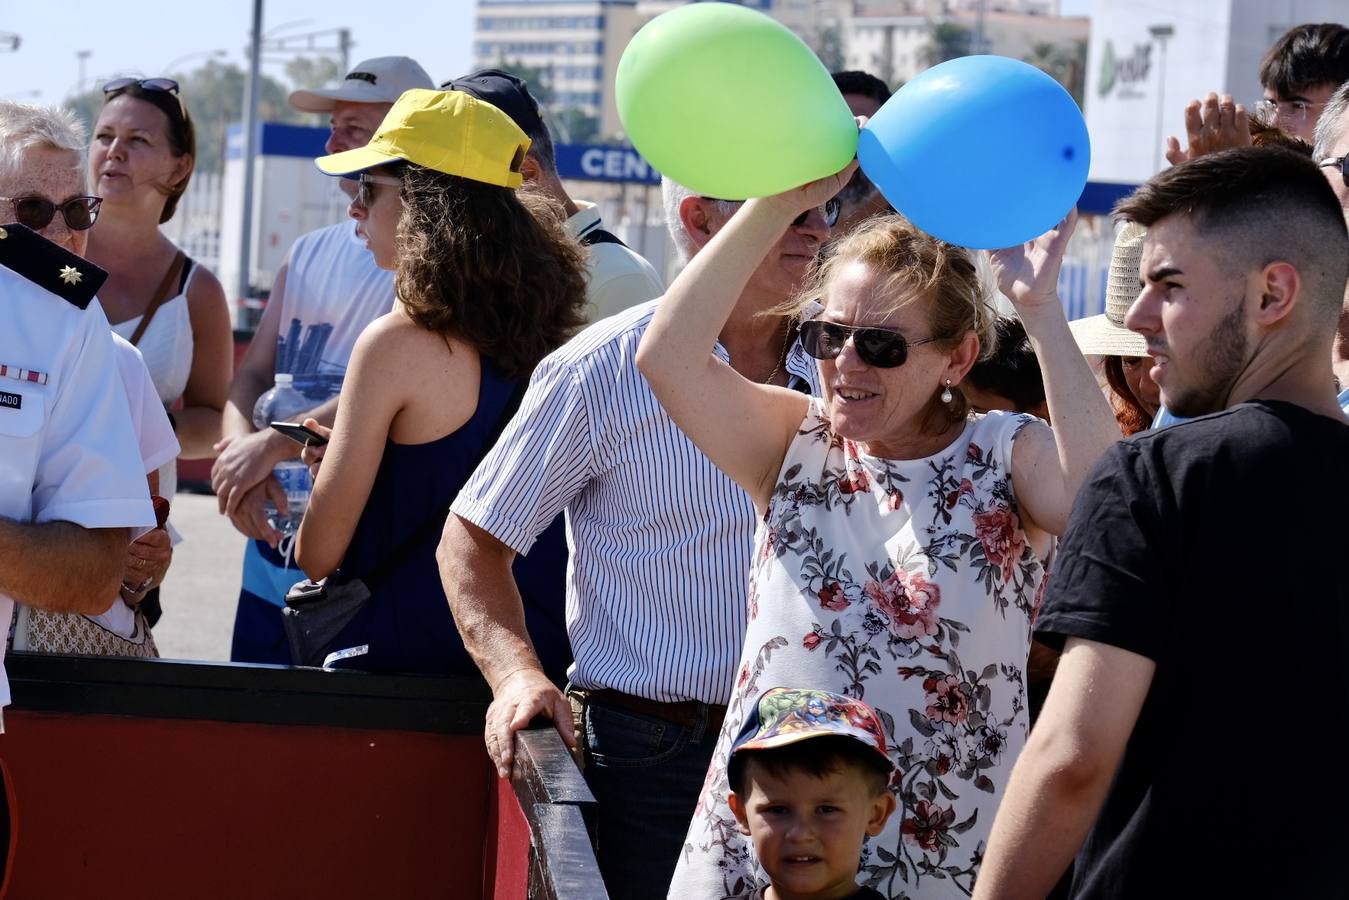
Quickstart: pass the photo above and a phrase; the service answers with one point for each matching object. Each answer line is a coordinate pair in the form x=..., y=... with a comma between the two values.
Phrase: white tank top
x=333, y=290
x=166, y=347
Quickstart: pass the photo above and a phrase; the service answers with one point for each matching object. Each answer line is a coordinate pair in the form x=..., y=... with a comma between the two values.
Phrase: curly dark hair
x=490, y=266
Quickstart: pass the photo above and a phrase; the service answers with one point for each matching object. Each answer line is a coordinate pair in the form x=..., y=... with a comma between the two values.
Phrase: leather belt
x=684, y=712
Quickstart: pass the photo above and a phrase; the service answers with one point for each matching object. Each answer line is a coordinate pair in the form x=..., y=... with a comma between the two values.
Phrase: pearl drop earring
x=946, y=396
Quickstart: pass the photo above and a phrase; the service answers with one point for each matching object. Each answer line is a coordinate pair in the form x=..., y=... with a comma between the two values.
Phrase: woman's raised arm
x=743, y=427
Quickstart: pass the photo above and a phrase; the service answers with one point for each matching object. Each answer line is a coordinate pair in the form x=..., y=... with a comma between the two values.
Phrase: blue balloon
x=981, y=151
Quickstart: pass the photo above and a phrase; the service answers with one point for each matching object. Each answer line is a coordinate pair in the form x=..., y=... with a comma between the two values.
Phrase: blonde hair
x=914, y=267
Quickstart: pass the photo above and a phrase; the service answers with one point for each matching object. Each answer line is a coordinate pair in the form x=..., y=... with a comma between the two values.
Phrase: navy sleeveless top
x=407, y=623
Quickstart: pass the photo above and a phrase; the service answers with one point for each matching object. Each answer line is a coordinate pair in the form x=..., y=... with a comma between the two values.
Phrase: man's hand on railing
x=518, y=698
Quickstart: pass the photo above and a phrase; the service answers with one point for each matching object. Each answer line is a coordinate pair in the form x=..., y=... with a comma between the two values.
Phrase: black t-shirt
x=1217, y=548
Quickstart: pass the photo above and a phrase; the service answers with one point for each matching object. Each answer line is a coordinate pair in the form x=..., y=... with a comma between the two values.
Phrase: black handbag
x=316, y=611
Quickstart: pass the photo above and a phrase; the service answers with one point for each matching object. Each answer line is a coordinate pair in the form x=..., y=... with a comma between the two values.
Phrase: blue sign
x=596, y=162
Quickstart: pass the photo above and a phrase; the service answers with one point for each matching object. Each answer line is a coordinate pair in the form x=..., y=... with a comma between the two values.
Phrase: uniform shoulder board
x=49, y=265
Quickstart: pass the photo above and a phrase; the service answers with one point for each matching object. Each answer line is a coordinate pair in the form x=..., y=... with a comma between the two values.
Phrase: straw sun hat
x=1105, y=335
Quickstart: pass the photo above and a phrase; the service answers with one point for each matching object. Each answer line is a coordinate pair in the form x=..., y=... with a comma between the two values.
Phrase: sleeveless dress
x=407, y=623
x=911, y=585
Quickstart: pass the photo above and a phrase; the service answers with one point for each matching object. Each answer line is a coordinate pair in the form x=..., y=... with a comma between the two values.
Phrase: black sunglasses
x=832, y=208
x=165, y=85
x=37, y=212
x=879, y=347
x=1342, y=162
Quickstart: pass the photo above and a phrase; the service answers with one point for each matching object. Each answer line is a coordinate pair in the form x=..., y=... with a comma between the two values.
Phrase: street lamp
x=1161, y=34
x=83, y=57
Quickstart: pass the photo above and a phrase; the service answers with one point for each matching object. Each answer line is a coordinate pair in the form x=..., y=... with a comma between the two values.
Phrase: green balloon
x=731, y=104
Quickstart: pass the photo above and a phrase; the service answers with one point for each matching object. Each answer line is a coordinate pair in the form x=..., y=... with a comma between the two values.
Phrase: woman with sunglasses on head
x=904, y=540
x=488, y=282
x=172, y=309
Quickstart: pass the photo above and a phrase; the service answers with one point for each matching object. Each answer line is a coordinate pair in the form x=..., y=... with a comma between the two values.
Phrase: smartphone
x=299, y=434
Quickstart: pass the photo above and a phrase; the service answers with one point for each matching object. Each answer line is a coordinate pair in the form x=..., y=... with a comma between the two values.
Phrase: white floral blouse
x=910, y=584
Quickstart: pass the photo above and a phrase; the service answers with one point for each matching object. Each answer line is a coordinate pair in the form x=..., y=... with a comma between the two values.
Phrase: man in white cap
x=325, y=293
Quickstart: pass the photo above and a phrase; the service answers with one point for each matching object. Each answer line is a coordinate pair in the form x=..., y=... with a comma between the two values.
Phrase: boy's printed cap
x=784, y=716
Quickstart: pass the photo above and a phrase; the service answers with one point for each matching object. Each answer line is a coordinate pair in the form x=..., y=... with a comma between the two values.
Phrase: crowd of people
x=793, y=551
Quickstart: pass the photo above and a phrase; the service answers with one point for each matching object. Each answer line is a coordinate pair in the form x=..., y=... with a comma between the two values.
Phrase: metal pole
x=1161, y=107
x=250, y=150
x=344, y=43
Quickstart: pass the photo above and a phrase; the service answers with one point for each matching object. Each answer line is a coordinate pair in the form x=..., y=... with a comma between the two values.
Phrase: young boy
x=809, y=777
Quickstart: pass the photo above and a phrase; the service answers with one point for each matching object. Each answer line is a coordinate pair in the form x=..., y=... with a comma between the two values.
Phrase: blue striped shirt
x=660, y=539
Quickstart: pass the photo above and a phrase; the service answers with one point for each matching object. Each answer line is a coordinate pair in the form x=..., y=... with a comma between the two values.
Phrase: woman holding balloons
x=903, y=541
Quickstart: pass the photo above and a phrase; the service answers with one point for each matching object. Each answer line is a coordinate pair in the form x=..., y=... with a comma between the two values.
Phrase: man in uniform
x=71, y=478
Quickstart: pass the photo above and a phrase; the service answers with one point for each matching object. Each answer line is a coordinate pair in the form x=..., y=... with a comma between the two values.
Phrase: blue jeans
x=646, y=775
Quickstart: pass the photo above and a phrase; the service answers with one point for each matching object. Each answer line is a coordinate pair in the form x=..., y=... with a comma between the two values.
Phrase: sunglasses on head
x=832, y=207
x=37, y=212
x=1339, y=162
x=165, y=85
x=879, y=347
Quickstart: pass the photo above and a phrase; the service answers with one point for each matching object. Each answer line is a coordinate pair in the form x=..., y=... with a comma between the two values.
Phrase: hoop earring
x=946, y=396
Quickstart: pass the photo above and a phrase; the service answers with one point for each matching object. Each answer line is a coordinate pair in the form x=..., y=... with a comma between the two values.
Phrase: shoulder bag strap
x=162, y=293
x=436, y=523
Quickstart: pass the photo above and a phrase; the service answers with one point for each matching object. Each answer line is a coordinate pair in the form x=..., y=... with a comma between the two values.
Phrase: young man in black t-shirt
x=1193, y=741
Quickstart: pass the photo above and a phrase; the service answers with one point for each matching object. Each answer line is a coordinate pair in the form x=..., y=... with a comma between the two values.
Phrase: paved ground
x=202, y=586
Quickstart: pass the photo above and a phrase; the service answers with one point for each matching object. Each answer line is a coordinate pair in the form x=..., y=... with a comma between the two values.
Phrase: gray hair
x=1332, y=122
x=672, y=195
x=24, y=126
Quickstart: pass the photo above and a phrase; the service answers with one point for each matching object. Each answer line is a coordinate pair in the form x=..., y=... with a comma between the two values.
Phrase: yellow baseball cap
x=448, y=131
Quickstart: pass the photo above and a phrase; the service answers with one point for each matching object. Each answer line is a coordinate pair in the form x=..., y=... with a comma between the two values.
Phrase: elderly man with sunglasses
x=72, y=481
x=660, y=543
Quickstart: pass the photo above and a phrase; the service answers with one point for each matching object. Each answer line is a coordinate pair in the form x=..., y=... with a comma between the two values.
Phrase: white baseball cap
x=379, y=80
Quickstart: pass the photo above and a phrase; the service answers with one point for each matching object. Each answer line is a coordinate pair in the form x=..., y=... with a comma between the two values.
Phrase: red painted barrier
x=117, y=806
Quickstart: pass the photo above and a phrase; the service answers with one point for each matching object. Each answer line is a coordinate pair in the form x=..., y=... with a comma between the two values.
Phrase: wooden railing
x=555, y=801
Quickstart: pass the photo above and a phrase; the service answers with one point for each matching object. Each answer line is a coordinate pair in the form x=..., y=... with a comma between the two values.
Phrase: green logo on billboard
x=1107, y=69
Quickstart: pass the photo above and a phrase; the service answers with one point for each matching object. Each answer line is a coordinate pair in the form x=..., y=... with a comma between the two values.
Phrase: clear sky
x=144, y=37
x=147, y=38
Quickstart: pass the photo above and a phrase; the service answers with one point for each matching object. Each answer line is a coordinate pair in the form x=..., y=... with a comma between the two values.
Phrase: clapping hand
x=1217, y=124
x=1029, y=274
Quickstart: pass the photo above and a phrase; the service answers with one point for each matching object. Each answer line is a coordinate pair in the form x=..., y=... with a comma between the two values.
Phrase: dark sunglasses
x=365, y=187
x=166, y=85
x=877, y=347
x=832, y=208
x=37, y=213
x=1341, y=163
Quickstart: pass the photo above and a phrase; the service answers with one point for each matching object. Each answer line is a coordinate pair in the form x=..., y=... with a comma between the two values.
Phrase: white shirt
x=616, y=277
x=660, y=538
x=158, y=447
x=333, y=290
x=67, y=451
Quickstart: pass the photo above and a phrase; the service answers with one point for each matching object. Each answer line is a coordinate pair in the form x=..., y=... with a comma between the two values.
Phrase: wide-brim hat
x=447, y=131
x=1105, y=335
x=783, y=716
x=380, y=80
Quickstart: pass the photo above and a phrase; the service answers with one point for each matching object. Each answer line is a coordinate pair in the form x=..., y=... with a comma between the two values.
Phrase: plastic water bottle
x=283, y=403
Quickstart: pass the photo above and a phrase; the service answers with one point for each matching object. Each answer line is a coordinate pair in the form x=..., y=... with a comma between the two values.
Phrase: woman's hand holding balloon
x=1029, y=274
x=791, y=203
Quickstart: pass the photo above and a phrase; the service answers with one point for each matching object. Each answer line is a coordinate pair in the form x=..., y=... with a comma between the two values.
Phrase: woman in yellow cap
x=488, y=283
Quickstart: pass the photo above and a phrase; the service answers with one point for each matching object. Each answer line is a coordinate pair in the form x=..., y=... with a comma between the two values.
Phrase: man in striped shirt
x=660, y=548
